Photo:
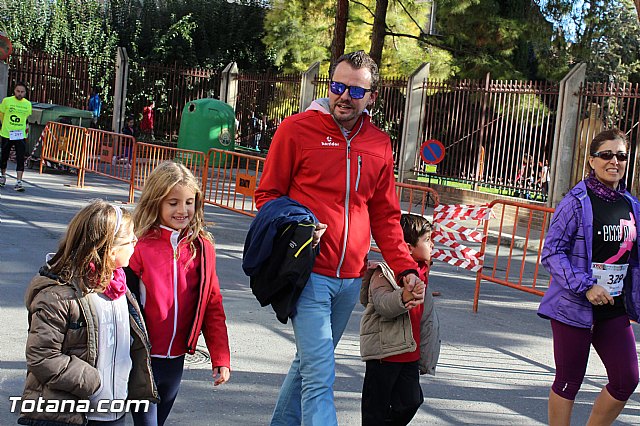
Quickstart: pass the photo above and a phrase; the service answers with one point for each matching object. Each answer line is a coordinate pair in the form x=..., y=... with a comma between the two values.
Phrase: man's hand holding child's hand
x=413, y=291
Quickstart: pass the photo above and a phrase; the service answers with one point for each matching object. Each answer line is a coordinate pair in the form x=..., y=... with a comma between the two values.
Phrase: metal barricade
x=234, y=177
x=65, y=145
x=518, y=235
x=229, y=179
x=232, y=180
x=109, y=154
x=416, y=198
x=146, y=157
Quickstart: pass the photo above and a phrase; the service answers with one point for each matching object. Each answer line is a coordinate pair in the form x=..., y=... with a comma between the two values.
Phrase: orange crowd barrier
x=65, y=145
x=416, y=198
x=97, y=151
x=229, y=179
x=512, y=247
x=109, y=154
x=232, y=180
x=234, y=177
x=145, y=158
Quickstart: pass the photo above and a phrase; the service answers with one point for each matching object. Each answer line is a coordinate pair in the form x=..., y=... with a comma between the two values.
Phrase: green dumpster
x=43, y=113
x=207, y=123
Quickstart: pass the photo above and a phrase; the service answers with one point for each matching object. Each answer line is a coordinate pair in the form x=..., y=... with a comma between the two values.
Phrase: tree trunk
x=379, y=29
x=637, y=3
x=340, y=31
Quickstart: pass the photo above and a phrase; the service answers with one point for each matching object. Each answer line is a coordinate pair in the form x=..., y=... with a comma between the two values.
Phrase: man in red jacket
x=335, y=162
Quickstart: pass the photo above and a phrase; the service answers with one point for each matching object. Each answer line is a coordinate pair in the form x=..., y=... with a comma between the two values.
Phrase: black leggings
x=21, y=147
x=168, y=374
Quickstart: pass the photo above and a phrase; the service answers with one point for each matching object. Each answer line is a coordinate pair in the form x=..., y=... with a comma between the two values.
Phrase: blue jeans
x=322, y=314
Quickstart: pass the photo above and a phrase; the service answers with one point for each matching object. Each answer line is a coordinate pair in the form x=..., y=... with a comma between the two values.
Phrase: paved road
x=495, y=367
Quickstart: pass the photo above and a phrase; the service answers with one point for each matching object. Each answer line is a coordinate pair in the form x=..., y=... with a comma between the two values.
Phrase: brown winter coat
x=62, y=349
x=385, y=327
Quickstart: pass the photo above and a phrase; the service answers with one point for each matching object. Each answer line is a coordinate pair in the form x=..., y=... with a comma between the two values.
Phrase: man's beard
x=343, y=116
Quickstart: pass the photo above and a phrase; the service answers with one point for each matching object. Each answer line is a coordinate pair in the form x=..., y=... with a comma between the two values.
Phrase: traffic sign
x=5, y=48
x=432, y=151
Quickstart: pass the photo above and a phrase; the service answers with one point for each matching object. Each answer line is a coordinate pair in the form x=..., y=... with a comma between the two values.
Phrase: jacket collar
x=173, y=235
x=322, y=106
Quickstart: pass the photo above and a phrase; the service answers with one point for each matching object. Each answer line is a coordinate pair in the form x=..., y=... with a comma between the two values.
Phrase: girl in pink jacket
x=178, y=285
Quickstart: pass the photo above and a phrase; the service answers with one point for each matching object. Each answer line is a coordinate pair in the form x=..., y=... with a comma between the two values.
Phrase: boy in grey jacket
x=399, y=337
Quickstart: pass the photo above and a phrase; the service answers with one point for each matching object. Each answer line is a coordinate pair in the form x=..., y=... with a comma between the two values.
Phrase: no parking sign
x=432, y=151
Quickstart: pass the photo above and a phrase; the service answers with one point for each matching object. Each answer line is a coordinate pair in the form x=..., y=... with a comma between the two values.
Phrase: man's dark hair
x=414, y=227
x=20, y=83
x=357, y=60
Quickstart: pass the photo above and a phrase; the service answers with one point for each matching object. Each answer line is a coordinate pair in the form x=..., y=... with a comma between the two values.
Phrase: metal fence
x=60, y=79
x=603, y=106
x=171, y=87
x=498, y=135
x=63, y=79
x=264, y=100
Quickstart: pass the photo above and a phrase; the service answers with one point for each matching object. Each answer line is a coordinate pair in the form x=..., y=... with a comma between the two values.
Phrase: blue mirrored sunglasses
x=355, y=92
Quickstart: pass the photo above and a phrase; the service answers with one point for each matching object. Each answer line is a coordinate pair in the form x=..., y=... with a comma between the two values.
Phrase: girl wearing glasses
x=87, y=341
x=591, y=252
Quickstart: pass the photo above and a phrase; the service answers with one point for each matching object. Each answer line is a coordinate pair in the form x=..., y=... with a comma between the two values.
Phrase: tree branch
x=365, y=6
x=411, y=17
x=430, y=40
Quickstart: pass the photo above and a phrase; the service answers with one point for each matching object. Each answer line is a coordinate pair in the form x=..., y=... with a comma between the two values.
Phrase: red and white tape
x=461, y=212
x=449, y=256
x=448, y=232
x=461, y=232
x=464, y=251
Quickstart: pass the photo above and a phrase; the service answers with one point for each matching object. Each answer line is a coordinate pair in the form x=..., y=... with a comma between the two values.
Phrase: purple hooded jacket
x=567, y=257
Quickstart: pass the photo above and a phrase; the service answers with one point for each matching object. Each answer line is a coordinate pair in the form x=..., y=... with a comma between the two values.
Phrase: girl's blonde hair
x=161, y=181
x=84, y=251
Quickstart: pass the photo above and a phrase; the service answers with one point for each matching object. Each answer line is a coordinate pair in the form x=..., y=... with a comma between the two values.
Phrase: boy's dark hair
x=414, y=227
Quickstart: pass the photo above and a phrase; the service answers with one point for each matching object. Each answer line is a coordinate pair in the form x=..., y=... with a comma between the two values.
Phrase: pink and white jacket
x=180, y=296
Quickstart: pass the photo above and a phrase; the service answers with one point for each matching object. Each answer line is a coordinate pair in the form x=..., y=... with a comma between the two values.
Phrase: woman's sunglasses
x=608, y=155
x=354, y=91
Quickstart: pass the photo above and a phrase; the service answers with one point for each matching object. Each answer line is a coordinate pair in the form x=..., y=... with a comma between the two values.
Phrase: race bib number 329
x=611, y=277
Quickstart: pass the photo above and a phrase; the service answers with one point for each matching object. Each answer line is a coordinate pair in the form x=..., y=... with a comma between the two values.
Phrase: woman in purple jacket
x=591, y=252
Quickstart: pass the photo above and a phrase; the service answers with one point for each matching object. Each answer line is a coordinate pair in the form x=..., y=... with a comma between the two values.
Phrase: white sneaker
x=19, y=186
x=3, y=180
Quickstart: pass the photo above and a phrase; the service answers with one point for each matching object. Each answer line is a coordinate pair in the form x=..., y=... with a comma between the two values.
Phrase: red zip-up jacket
x=180, y=297
x=348, y=184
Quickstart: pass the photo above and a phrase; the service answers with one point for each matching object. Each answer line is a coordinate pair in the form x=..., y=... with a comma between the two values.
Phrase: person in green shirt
x=14, y=111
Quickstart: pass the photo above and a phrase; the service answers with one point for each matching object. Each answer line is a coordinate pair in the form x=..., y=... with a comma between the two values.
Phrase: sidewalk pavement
x=495, y=366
